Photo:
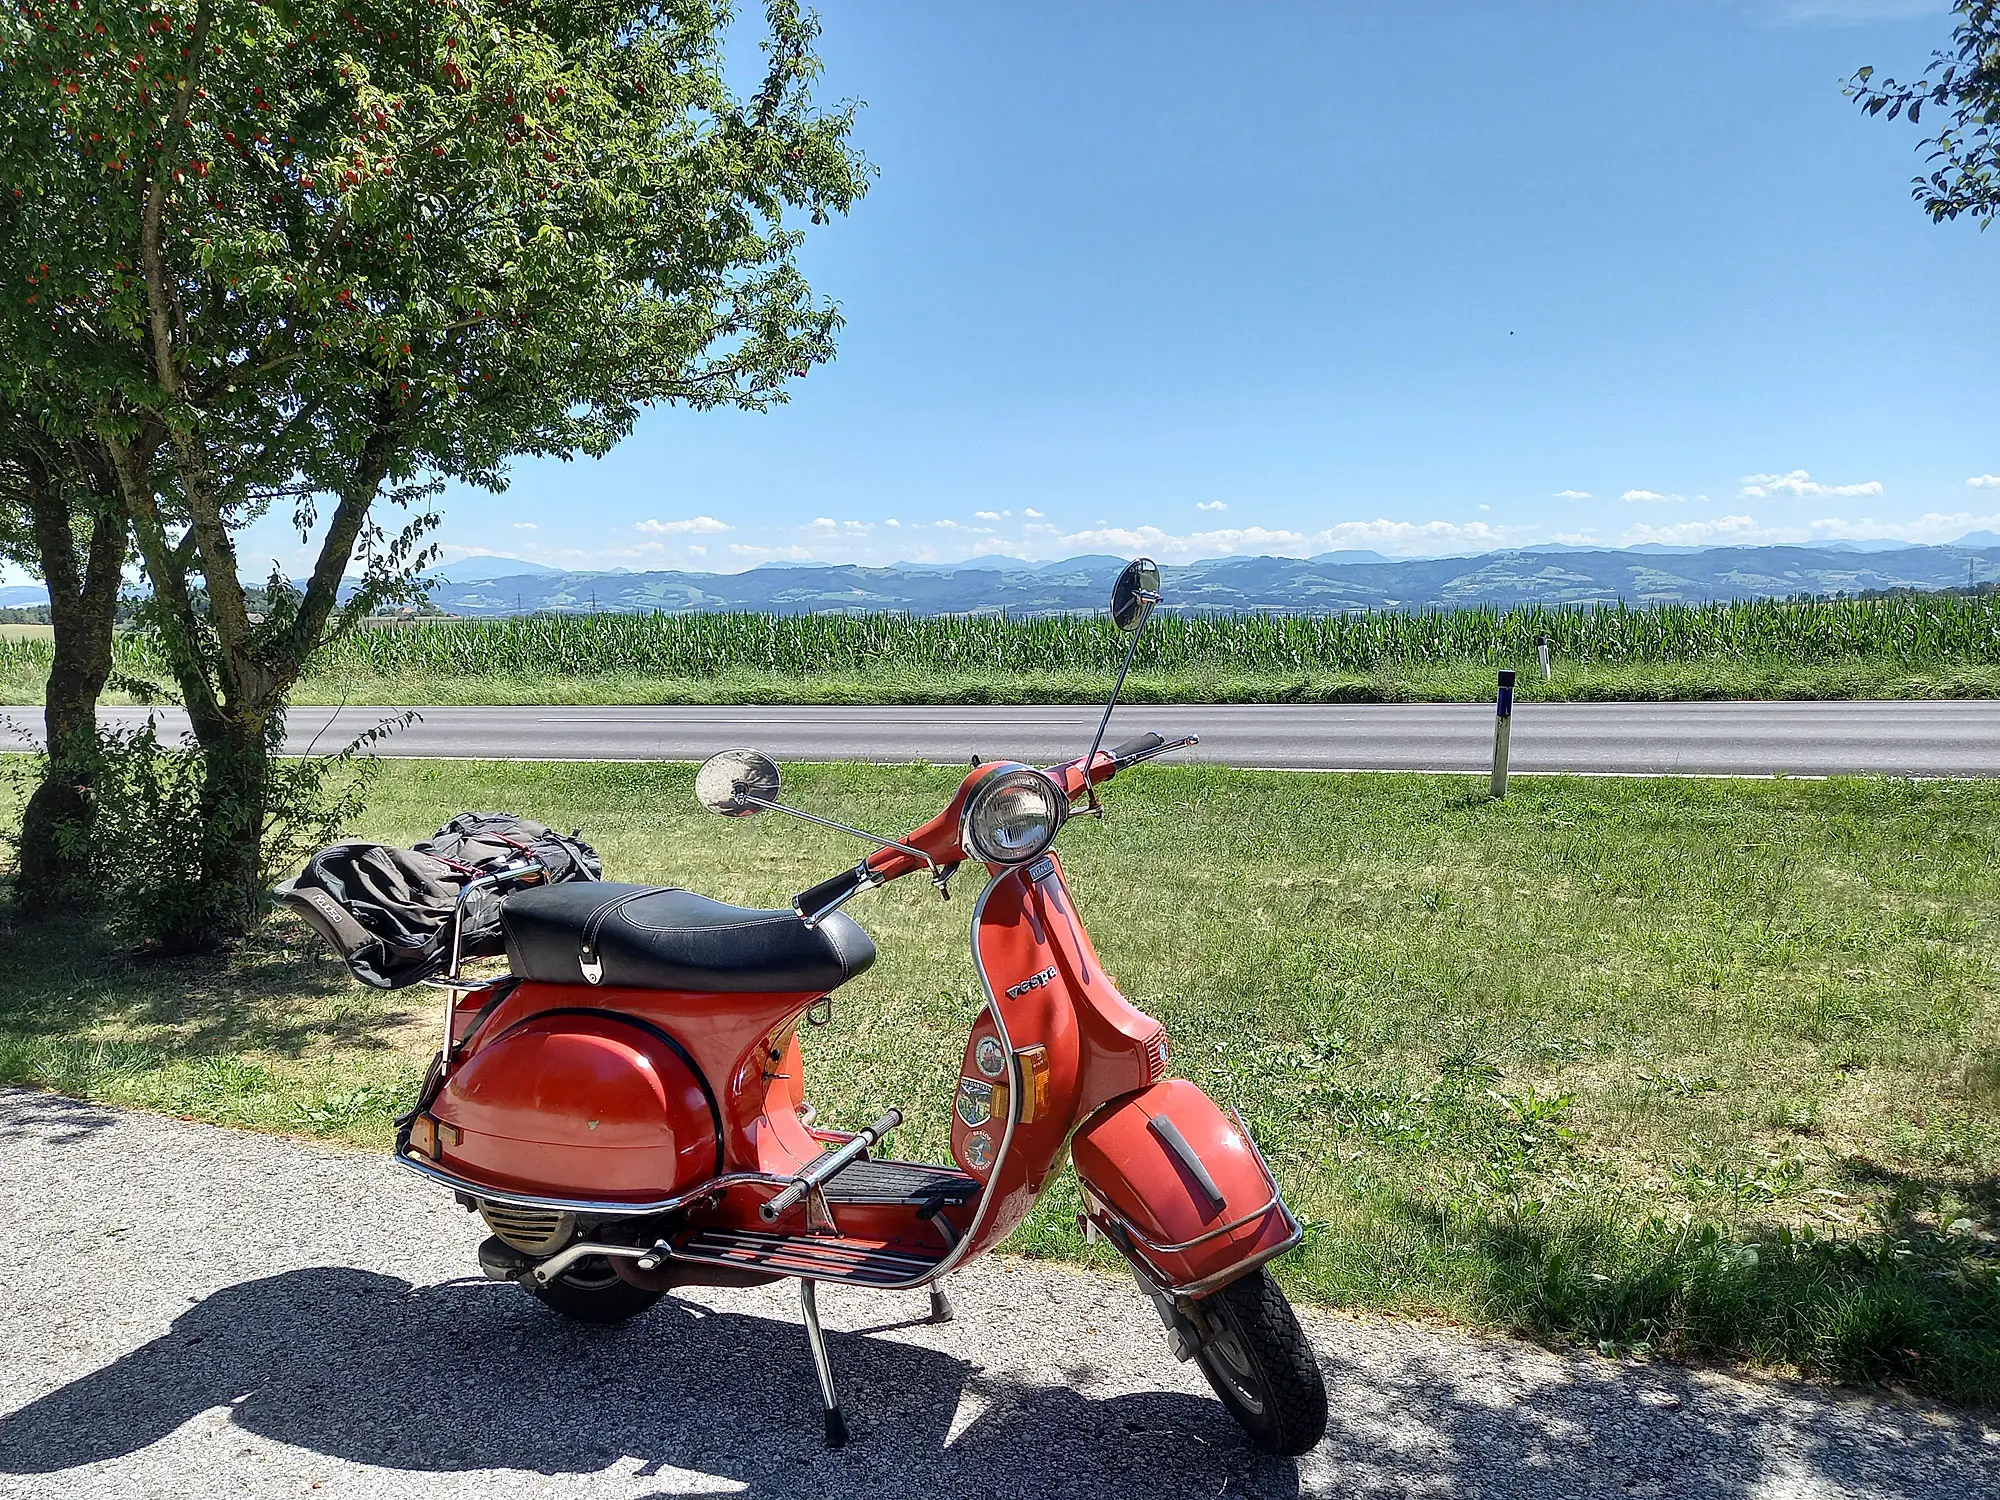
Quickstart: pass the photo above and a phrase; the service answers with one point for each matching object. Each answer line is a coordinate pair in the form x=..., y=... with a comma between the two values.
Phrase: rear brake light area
x=1156, y=1055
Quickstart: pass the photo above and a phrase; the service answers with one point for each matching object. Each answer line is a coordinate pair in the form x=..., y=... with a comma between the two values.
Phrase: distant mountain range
x=1552, y=574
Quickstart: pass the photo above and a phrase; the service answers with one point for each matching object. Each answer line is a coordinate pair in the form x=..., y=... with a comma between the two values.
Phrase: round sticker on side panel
x=990, y=1056
x=975, y=1102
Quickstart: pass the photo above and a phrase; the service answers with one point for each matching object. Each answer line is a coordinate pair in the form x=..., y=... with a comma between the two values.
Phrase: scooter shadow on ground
x=50, y=1119
x=471, y=1375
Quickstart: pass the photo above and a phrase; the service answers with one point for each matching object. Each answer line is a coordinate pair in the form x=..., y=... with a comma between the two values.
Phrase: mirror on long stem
x=737, y=783
x=1132, y=599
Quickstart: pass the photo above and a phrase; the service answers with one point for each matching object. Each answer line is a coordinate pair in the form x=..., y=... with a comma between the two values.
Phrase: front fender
x=1180, y=1188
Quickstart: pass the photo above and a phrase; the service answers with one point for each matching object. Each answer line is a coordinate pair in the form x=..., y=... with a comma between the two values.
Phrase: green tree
x=1962, y=83
x=328, y=253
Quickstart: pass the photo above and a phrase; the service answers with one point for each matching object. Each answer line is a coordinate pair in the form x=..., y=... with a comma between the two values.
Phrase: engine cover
x=578, y=1106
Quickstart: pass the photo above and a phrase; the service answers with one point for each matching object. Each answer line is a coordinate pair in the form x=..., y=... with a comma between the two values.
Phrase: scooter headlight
x=1013, y=817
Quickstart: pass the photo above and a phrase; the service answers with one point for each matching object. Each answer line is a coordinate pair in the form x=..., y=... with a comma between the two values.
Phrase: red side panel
x=1152, y=1160
x=577, y=1106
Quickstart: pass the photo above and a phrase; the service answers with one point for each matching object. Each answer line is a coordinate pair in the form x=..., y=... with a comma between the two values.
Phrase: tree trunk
x=235, y=793
x=83, y=600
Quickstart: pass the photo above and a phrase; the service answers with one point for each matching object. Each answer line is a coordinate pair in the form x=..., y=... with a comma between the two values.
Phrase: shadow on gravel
x=1618, y=1431
x=50, y=1118
x=472, y=1375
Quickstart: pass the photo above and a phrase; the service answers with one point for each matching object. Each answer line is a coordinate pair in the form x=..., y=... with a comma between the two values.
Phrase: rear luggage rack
x=815, y=1257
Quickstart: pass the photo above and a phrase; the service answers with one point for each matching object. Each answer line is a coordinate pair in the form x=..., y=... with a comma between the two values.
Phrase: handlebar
x=816, y=903
x=1074, y=779
x=1138, y=749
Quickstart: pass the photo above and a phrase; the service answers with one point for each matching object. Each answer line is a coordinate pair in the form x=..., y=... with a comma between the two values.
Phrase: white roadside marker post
x=1542, y=652
x=1503, y=725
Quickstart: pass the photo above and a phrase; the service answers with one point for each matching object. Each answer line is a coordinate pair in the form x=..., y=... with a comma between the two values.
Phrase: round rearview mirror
x=726, y=782
x=1134, y=595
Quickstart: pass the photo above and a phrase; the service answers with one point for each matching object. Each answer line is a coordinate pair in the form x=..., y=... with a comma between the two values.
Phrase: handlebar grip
x=816, y=898
x=883, y=1126
x=1140, y=746
x=785, y=1202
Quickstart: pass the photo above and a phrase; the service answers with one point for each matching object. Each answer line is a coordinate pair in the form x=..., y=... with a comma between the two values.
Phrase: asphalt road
x=197, y=1312
x=1949, y=738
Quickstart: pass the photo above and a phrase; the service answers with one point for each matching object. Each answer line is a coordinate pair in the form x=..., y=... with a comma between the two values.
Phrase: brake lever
x=941, y=878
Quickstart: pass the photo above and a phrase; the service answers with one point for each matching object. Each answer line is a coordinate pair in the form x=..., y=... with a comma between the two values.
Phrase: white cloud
x=1801, y=486
x=1572, y=494
x=1031, y=512
x=1410, y=538
x=1931, y=528
x=986, y=515
x=526, y=526
x=1699, y=533
x=1211, y=505
x=453, y=552
x=1984, y=481
x=680, y=528
x=756, y=554
x=1485, y=507
x=697, y=550
x=825, y=523
x=1651, y=497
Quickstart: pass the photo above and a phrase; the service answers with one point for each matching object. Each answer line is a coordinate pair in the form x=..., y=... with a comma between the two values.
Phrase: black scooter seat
x=601, y=932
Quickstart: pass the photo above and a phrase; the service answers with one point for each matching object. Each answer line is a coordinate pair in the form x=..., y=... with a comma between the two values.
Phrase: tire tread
x=1261, y=1316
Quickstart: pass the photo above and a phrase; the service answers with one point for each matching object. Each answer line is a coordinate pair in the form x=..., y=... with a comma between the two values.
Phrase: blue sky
x=1423, y=277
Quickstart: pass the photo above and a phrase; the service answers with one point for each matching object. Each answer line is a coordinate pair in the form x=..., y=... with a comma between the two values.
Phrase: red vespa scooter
x=626, y=1110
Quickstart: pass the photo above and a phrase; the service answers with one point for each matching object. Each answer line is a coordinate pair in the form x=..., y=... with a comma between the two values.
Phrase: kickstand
x=836, y=1424
x=940, y=1305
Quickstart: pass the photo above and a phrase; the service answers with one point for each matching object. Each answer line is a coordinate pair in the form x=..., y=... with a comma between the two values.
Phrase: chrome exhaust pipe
x=547, y=1271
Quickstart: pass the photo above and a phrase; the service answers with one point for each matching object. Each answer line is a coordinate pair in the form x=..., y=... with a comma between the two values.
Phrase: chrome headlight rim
x=992, y=786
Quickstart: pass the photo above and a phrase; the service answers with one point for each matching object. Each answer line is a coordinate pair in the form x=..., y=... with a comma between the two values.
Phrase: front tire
x=1258, y=1361
x=591, y=1292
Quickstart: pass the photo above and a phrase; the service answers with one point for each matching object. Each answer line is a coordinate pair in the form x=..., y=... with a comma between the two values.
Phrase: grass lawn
x=1695, y=1067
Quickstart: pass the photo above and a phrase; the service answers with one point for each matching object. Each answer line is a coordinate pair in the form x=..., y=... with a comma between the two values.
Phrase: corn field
x=1915, y=631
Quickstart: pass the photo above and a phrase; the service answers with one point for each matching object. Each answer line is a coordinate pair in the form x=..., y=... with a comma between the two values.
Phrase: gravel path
x=197, y=1312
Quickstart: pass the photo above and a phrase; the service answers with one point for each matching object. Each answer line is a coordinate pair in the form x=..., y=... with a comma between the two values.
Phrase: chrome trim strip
x=985, y=1199
x=1242, y=1267
x=581, y=1205
x=1223, y=1277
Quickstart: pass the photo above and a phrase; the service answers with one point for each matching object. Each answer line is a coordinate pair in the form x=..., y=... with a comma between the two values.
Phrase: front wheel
x=591, y=1292
x=1257, y=1359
